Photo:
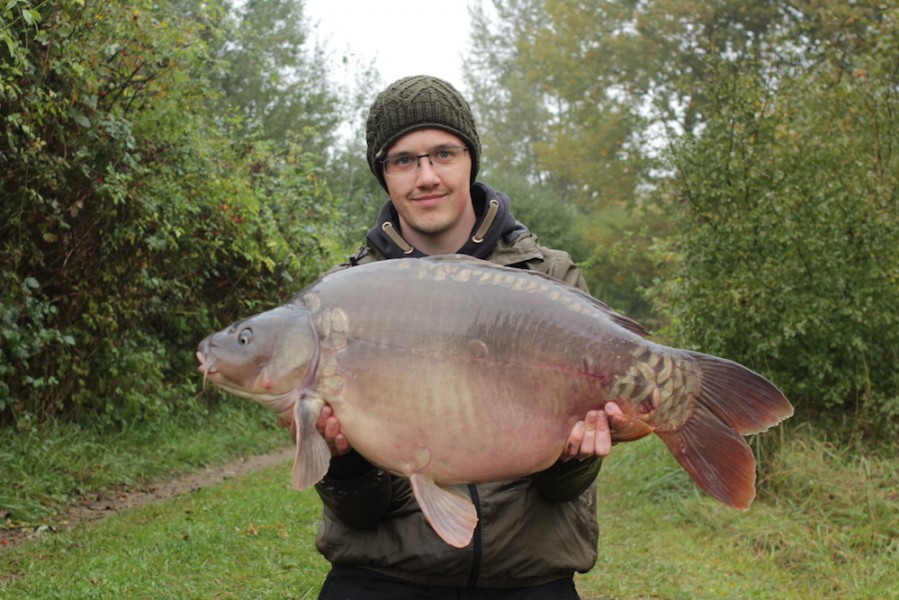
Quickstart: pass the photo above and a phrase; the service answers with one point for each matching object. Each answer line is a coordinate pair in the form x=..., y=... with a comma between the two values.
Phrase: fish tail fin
x=740, y=397
x=313, y=456
x=732, y=401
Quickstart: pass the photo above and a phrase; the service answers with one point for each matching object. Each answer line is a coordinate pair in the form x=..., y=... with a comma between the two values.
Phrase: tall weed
x=828, y=512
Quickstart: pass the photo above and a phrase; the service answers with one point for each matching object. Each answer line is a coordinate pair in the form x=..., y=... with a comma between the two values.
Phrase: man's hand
x=591, y=437
x=329, y=427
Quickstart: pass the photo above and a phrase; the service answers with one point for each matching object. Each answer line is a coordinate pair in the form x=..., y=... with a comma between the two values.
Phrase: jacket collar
x=495, y=226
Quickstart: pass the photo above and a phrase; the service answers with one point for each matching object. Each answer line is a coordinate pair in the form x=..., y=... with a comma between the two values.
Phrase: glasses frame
x=418, y=158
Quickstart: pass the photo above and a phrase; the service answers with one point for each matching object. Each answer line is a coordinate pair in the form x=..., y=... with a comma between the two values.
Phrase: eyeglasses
x=406, y=164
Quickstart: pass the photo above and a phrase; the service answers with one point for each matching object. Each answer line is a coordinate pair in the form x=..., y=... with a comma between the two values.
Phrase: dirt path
x=99, y=506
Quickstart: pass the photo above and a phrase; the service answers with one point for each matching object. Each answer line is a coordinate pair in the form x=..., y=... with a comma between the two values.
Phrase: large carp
x=450, y=370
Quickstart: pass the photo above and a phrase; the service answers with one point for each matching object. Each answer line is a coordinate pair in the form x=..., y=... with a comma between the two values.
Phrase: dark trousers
x=358, y=584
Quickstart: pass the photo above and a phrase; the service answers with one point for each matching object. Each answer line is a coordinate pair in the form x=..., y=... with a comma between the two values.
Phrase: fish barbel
x=450, y=370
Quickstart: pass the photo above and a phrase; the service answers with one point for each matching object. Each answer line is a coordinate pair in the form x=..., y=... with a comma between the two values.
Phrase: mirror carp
x=451, y=370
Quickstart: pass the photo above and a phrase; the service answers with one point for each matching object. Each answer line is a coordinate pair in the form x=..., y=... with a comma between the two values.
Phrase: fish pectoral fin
x=449, y=511
x=627, y=429
x=313, y=455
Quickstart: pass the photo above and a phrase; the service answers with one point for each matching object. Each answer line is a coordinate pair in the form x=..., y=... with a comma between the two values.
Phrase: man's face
x=434, y=204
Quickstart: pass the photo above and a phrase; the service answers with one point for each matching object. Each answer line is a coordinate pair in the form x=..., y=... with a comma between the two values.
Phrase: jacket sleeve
x=355, y=492
x=566, y=480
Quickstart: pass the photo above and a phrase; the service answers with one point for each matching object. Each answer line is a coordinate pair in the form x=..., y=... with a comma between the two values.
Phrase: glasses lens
x=404, y=164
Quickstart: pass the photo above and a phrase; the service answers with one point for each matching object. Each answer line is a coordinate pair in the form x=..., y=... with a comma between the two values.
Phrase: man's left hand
x=591, y=437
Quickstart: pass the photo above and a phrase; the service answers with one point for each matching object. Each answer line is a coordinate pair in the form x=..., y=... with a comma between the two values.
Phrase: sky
x=404, y=38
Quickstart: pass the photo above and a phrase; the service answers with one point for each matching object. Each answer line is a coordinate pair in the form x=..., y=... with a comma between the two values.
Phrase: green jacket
x=530, y=531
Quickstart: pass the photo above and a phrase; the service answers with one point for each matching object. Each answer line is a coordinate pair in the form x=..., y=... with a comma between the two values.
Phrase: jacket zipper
x=477, y=549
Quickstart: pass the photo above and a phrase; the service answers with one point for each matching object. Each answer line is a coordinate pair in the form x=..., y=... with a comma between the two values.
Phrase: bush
x=788, y=253
x=132, y=223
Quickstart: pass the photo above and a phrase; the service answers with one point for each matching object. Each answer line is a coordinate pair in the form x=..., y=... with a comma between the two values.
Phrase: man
x=534, y=533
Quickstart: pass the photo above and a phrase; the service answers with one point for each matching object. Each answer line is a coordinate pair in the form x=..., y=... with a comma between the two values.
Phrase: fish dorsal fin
x=313, y=455
x=450, y=513
x=621, y=320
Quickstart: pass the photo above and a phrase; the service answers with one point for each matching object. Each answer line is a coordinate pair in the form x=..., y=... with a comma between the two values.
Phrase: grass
x=42, y=468
x=825, y=527
x=250, y=538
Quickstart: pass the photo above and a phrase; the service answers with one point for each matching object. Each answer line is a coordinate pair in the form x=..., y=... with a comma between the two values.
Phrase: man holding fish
x=533, y=533
x=451, y=387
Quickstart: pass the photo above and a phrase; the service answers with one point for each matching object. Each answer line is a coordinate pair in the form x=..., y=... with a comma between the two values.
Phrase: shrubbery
x=132, y=223
x=787, y=256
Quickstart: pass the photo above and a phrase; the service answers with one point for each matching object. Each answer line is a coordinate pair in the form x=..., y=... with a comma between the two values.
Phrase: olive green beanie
x=418, y=102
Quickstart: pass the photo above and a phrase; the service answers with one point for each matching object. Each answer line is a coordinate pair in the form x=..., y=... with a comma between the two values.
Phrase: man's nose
x=426, y=172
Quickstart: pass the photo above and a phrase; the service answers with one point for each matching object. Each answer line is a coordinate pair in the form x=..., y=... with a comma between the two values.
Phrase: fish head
x=269, y=357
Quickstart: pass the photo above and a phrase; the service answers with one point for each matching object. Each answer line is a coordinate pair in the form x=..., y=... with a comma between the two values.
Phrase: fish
x=450, y=370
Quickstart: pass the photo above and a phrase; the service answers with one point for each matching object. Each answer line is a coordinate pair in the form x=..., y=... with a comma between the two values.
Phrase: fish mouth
x=206, y=367
x=275, y=400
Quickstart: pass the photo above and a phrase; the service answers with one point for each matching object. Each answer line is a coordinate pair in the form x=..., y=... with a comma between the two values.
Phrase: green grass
x=250, y=538
x=42, y=468
x=824, y=527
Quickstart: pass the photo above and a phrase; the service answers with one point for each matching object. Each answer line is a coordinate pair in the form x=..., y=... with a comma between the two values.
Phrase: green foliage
x=133, y=221
x=271, y=78
x=788, y=253
x=620, y=268
x=357, y=193
x=577, y=94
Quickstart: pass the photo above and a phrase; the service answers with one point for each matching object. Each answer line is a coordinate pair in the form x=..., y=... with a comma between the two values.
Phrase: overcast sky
x=403, y=38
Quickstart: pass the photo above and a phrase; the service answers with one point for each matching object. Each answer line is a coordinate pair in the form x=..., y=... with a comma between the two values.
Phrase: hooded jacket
x=530, y=531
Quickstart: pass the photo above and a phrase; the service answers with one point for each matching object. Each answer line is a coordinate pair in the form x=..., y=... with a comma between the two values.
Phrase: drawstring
x=477, y=238
x=397, y=239
x=492, y=209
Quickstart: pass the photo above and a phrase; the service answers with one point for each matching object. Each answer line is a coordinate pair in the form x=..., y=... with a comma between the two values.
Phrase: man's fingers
x=323, y=417
x=331, y=429
x=603, y=437
x=589, y=441
x=341, y=445
x=574, y=440
x=612, y=409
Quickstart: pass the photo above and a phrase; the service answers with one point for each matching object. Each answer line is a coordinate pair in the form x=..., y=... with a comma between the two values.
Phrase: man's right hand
x=329, y=427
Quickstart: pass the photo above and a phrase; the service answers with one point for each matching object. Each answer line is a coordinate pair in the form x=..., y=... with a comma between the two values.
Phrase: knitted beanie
x=418, y=102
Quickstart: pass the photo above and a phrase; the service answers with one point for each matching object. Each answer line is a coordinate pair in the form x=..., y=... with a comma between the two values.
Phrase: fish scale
x=450, y=370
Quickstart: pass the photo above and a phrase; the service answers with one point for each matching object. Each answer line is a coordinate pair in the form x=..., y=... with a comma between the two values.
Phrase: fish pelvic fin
x=731, y=401
x=449, y=511
x=313, y=456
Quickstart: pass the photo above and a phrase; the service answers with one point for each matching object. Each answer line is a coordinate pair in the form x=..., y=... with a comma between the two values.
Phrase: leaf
x=80, y=119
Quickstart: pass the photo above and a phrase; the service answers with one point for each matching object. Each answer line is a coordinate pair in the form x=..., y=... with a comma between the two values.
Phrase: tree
x=131, y=224
x=268, y=73
x=580, y=93
x=788, y=253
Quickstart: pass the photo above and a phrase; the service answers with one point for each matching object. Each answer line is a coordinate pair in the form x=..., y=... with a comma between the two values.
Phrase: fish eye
x=245, y=337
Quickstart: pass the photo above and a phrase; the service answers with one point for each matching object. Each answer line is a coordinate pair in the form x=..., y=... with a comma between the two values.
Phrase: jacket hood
x=494, y=223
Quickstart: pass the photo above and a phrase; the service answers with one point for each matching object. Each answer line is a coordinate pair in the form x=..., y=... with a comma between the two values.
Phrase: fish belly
x=487, y=390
